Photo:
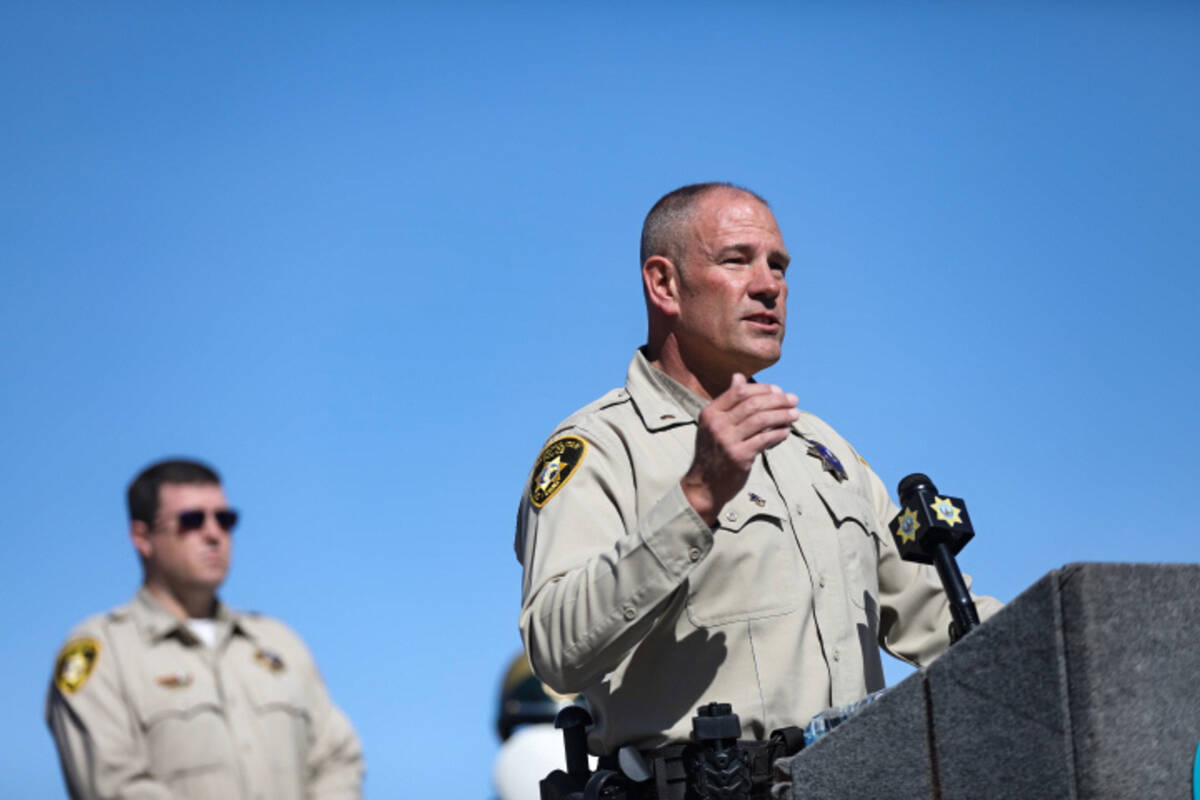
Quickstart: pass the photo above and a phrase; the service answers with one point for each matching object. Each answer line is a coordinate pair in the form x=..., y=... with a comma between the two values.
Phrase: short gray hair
x=662, y=233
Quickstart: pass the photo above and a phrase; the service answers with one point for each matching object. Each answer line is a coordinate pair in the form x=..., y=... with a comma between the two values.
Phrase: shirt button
x=837, y=656
x=821, y=581
x=797, y=508
x=731, y=516
x=630, y=612
x=694, y=554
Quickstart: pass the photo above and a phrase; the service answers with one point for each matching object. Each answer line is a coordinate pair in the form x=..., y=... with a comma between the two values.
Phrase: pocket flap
x=749, y=503
x=844, y=504
x=186, y=730
x=182, y=695
x=278, y=693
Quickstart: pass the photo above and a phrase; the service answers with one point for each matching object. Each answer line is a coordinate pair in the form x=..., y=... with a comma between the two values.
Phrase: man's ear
x=139, y=534
x=660, y=277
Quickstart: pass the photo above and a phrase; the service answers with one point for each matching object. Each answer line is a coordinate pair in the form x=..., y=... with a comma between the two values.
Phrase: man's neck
x=705, y=384
x=198, y=604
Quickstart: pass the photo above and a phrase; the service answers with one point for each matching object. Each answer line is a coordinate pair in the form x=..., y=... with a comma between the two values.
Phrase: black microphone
x=932, y=529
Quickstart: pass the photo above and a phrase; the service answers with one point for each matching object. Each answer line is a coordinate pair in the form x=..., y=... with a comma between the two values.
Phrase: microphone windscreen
x=912, y=483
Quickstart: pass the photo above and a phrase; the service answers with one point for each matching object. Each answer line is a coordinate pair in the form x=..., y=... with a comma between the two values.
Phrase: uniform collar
x=662, y=401
x=665, y=402
x=155, y=623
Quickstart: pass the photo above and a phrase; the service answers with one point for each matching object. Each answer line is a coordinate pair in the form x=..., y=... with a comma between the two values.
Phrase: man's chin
x=211, y=580
x=759, y=360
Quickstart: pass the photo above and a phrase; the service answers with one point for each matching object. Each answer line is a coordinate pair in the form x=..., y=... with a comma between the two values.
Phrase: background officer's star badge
x=269, y=659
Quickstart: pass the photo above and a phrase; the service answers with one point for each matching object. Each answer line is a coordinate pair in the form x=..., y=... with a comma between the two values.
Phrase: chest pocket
x=858, y=541
x=754, y=566
x=278, y=701
x=180, y=713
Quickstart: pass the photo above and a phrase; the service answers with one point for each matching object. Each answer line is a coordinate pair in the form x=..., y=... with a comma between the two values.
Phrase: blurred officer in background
x=530, y=744
x=176, y=695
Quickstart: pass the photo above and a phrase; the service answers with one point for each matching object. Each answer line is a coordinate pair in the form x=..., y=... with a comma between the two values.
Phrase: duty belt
x=675, y=769
x=715, y=765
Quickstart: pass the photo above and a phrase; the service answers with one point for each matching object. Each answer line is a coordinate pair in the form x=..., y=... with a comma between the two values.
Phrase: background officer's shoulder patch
x=75, y=664
x=554, y=467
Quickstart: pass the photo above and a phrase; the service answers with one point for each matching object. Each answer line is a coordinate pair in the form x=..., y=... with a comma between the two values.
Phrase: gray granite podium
x=1086, y=686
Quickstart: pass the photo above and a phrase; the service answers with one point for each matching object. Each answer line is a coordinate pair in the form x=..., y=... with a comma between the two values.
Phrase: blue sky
x=363, y=257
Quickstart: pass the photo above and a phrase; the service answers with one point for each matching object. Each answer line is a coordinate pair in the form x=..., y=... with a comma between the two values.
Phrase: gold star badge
x=909, y=526
x=75, y=664
x=554, y=467
x=946, y=511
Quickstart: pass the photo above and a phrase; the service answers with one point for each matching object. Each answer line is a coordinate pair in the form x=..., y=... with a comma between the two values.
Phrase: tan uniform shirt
x=631, y=598
x=139, y=708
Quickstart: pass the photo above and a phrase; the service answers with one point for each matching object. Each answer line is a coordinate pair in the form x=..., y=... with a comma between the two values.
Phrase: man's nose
x=211, y=529
x=767, y=282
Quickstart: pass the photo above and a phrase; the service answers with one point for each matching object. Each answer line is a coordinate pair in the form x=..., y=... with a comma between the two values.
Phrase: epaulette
x=613, y=397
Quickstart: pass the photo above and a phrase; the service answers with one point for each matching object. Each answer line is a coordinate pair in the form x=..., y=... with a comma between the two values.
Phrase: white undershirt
x=204, y=629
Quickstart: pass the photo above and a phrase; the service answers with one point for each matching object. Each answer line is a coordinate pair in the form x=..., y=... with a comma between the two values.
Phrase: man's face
x=188, y=559
x=732, y=294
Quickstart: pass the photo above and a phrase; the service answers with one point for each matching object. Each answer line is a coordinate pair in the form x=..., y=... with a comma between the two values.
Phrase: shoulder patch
x=75, y=664
x=554, y=467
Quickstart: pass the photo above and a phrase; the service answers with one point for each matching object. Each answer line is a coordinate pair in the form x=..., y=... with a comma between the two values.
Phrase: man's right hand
x=746, y=419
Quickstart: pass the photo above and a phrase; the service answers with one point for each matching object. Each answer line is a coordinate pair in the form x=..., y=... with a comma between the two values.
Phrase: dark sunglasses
x=194, y=520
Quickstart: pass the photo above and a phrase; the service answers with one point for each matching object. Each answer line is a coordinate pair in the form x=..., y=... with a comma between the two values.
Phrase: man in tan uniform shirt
x=175, y=695
x=693, y=537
